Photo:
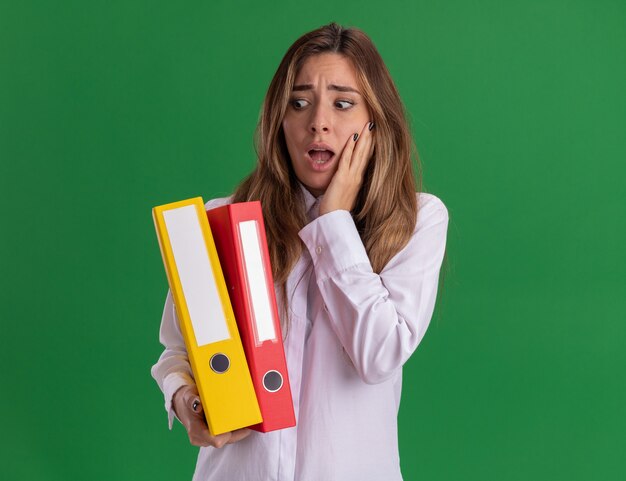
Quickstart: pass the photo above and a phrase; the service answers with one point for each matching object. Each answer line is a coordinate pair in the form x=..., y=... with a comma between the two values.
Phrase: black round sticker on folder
x=219, y=363
x=272, y=381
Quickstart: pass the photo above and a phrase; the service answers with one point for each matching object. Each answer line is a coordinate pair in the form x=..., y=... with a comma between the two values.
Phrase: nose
x=320, y=120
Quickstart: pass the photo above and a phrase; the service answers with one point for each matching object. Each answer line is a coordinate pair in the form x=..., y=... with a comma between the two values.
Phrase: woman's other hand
x=189, y=410
x=345, y=185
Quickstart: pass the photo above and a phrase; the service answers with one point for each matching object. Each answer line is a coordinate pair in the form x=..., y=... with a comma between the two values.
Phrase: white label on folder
x=196, y=275
x=257, y=283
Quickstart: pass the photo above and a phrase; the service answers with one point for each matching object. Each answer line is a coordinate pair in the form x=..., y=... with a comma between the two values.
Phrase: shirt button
x=318, y=249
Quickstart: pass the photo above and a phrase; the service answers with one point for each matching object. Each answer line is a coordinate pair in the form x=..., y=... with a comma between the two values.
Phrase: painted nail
x=371, y=126
x=356, y=136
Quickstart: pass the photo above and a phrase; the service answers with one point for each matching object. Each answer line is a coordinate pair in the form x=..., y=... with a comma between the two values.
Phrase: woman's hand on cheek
x=345, y=185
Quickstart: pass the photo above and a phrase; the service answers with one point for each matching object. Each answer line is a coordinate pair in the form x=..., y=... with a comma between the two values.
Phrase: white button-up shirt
x=350, y=331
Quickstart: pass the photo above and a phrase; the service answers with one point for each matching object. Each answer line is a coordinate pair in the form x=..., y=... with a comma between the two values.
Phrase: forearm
x=379, y=319
x=370, y=325
x=172, y=371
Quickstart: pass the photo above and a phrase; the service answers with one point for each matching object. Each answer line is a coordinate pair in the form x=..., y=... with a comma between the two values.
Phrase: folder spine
x=210, y=332
x=264, y=351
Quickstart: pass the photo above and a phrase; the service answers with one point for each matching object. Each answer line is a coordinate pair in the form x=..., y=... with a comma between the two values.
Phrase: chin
x=316, y=189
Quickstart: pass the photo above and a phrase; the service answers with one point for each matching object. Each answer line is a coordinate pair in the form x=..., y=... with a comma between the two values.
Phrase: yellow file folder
x=206, y=316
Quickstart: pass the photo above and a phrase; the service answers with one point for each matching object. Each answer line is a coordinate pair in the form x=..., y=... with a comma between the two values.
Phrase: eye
x=299, y=104
x=344, y=104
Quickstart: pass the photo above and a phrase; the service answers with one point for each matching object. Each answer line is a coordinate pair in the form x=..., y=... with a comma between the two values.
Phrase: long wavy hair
x=385, y=211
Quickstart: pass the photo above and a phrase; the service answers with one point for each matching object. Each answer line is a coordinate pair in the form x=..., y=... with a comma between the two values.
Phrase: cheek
x=291, y=144
x=288, y=130
x=345, y=131
x=354, y=125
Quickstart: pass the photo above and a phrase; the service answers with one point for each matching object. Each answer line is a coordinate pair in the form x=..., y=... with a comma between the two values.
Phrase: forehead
x=332, y=68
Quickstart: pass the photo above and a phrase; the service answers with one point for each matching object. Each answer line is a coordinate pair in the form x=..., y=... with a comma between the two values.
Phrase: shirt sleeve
x=173, y=371
x=379, y=319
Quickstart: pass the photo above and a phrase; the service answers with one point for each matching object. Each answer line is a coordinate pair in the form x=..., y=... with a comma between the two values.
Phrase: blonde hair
x=386, y=207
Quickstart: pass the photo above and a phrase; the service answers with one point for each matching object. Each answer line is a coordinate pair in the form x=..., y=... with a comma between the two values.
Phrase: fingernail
x=371, y=126
x=356, y=136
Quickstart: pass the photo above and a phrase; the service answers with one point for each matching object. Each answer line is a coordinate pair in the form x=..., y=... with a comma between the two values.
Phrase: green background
x=519, y=113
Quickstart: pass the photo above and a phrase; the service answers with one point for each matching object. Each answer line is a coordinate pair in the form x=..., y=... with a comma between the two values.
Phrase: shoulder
x=219, y=202
x=430, y=210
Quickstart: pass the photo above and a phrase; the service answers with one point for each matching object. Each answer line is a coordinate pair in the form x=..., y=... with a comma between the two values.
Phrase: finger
x=346, y=154
x=221, y=440
x=196, y=405
x=198, y=432
x=238, y=435
x=363, y=150
x=192, y=400
x=202, y=437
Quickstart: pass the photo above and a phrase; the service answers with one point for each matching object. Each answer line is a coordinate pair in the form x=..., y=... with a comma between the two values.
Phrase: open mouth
x=320, y=156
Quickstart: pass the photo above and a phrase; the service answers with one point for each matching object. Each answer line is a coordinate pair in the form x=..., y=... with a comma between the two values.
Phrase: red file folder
x=239, y=234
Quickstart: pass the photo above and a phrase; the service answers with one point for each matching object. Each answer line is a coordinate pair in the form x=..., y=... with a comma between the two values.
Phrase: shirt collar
x=311, y=203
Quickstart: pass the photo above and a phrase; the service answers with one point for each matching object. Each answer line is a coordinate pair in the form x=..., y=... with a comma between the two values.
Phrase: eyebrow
x=338, y=88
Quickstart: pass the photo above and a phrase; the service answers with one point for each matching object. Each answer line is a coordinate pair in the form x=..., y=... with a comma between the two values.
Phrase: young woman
x=356, y=255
